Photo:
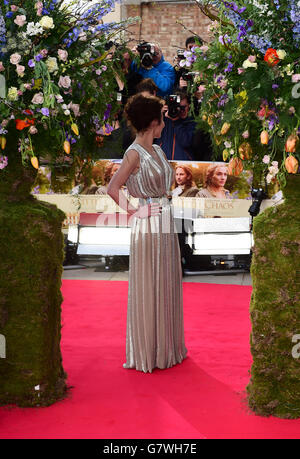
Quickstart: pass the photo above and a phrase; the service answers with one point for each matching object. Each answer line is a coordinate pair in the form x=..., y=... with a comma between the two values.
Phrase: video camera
x=173, y=103
x=146, y=51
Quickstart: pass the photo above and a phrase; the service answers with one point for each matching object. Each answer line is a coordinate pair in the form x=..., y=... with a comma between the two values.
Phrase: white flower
x=34, y=29
x=247, y=64
x=266, y=159
x=51, y=63
x=281, y=53
x=227, y=144
x=46, y=22
x=67, y=112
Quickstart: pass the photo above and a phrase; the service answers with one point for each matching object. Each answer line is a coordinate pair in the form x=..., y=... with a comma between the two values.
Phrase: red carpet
x=204, y=397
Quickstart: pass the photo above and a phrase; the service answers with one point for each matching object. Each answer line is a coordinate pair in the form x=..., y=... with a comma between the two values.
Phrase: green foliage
x=60, y=78
x=243, y=86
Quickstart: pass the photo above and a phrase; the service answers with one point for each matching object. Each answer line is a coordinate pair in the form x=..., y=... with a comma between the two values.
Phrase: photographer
x=177, y=136
x=184, y=75
x=153, y=65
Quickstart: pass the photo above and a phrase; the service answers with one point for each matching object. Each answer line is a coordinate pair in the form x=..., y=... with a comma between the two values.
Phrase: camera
x=188, y=76
x=258, y=195
x=173, y=103
x=180, y=54
x=146, y=51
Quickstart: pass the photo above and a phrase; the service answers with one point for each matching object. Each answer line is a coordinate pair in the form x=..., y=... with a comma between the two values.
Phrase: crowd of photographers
x=146, y=70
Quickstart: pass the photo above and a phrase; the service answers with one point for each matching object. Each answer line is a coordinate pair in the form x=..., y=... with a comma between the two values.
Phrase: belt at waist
x=163, y=201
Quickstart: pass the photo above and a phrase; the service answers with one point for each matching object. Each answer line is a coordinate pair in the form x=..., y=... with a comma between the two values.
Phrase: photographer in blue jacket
x=153, y=65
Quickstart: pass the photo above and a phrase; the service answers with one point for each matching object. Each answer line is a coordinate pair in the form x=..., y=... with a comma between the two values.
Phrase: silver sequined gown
x=155, y=335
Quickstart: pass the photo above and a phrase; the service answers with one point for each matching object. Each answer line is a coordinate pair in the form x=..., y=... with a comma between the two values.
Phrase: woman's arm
x=130, y=165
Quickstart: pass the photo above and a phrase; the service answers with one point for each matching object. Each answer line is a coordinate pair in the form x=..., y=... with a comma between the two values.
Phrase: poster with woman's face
x=191, y=179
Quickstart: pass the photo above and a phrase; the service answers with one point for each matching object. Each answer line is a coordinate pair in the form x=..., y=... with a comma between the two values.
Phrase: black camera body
x=180, y=53
x=146, y=52
x=188, y=76
x=173, y=103
x=258, y=196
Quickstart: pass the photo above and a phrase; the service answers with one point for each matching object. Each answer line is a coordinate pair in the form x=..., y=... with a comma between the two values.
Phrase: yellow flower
x=243, y=96
x=12, y=94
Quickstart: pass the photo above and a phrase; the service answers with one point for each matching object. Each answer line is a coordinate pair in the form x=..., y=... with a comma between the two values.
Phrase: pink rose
x=252, y=58
x=75, y=108
x=15, y=58
x=204, y=48
x=32, y=130
x=27, y=86
x=223, y=84
x=245, y=134
x=296, y=77
x=44, y=52
x=1, y=67
x=14, y=7
x=62, y=54
x=240, y=70
x=64, y=82
x=38, y=98
x=20, y=20
x=38, y=5
x=201, y=88
x=20, y=70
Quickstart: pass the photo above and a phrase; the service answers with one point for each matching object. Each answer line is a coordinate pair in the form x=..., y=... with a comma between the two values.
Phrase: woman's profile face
x=158, y=129
x=219, y=177
x=180, y=176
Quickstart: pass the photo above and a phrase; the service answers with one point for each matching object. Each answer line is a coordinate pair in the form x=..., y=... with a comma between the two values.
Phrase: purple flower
x=107, y=112
x=275, y=86
x=45, y=111
x=223, y=100
x=38, y=57
x=31, y=63
x=229, y=67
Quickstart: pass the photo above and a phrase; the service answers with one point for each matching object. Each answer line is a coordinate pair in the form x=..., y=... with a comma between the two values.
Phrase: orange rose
x=271, y=57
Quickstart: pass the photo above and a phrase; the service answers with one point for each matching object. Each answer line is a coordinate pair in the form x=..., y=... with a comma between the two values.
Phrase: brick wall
x=160, y=23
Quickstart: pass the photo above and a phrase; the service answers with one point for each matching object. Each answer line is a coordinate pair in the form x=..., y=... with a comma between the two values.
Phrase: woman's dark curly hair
x=140, y=111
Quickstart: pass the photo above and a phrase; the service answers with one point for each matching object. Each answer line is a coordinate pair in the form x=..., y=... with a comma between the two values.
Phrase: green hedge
x=274, y=388
x=31, y=260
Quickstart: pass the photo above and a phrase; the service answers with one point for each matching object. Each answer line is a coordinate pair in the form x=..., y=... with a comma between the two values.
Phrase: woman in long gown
x=155, y=335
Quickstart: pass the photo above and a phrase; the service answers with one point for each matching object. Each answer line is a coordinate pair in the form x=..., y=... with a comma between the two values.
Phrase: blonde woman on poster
x=215, y=180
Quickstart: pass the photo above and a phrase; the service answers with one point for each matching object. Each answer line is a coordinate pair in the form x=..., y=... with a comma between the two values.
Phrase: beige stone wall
x=160, y=23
